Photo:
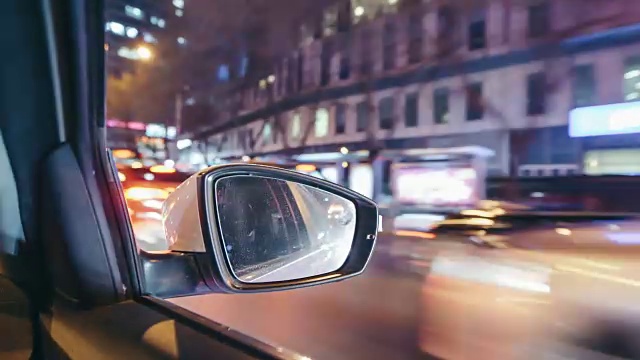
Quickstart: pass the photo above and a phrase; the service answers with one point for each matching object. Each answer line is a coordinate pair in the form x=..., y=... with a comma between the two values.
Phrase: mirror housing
x=199, y=220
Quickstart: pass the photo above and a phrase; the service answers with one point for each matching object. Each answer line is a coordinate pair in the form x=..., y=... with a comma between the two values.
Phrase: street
x=372, y=316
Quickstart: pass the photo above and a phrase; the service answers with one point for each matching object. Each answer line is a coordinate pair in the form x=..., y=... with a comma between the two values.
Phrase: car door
x=74, y=282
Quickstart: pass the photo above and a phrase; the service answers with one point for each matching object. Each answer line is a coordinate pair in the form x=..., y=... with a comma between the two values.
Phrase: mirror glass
x=277, y=230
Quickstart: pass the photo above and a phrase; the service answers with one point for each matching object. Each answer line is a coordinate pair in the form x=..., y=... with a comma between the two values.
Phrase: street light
x=144, y=53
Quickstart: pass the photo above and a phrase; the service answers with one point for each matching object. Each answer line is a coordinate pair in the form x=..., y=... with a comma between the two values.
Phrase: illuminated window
x=267, y=134
x=116, y=28
x=321, y=124
x=441, y=106
x=223, y=72
x=132, y=32
x=295, y=126
x=133, y=12
x=631, y=81
x=149, y=38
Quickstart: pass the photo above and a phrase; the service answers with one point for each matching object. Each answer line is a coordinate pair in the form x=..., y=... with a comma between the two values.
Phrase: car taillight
x=418, y=234
x=161, y=169
x=144, y=193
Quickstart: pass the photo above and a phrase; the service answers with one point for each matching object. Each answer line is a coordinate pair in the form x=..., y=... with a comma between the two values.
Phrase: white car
x=557, y=291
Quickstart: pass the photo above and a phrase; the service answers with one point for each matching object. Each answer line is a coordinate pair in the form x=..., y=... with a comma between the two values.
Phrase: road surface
x=372, y=316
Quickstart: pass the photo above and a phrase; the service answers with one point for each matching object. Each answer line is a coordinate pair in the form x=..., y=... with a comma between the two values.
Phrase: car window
x=514, y=120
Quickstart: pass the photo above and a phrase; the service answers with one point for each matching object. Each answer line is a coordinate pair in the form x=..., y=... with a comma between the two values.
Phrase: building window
x=149, y=38
x=321, y=124
x=477, y=32
x=267, y=134
x=536, y=97
x=447, y=39
x=389, y=46
x=223, y=73
x=345, y=67
x=415, y=38
x=441, y=106
x=341, y=121
x=386, y=110
x=475, y=106
x=295, y=126
x=538, y=19
x=411, y=110
x=584, y=85
x=131, y=32
x=133, y=12
x=116, y=28
x=631, y=81
x=362, y=116
x=325, y=62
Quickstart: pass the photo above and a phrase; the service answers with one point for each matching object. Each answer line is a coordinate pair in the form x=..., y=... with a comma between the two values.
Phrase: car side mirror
x=254, y=228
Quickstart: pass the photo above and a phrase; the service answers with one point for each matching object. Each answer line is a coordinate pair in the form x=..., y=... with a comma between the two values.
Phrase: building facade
x=133, y=27
x=406, y=75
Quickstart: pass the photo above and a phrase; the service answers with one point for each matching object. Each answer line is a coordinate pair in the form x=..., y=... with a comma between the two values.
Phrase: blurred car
x=562, y=286
x=146, y=188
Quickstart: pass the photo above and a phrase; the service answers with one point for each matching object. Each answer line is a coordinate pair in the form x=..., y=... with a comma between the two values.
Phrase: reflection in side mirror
x=276, y=230
x=253, y=228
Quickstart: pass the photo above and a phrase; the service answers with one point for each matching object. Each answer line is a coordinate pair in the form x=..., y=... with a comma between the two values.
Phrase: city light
x=183, y=144
x=631, y=74
x=271, y=79
x=132, y=32
x=358, y=11
x=392, y=2
x=345, y=164
x=344, y=150
x=144, y=53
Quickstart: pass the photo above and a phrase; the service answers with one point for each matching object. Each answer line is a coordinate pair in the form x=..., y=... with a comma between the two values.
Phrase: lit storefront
x=609, y=137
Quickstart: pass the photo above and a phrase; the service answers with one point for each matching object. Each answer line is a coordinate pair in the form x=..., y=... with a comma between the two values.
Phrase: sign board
x=613, y=119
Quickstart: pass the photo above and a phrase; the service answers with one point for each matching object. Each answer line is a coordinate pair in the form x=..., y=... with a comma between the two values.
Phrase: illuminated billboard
x=613, y=119
x=436, y=187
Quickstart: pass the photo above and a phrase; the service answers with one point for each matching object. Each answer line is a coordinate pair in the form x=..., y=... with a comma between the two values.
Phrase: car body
x=553, y=289
x=146, y=188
